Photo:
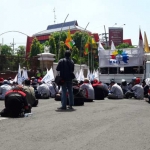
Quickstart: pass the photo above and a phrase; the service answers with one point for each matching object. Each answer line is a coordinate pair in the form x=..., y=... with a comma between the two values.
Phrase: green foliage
x=35, y=48
x=6, y=50
x=62, y=50
x=52, y=45
x=124, y=45
x=77, y=36
x=20, y=51
x=75, y=54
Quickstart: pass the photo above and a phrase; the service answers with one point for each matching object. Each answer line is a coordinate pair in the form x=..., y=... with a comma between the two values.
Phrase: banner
x=121, y=58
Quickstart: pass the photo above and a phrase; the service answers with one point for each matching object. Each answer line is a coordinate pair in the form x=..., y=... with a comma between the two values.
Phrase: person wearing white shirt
x=43, y=91
x=87, y=90
x=137, y=90
x=115, y=91
x=4, y=88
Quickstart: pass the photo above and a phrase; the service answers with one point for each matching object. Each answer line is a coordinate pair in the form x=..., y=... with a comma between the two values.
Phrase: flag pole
x=81, y=43
x=60, y=34
x=91, y=57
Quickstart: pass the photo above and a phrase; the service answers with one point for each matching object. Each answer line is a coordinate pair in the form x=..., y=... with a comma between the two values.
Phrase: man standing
x=66, y=68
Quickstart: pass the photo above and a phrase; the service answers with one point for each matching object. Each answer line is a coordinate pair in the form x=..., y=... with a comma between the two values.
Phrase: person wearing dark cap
x=115, y=90
x=66, y=68
x=4, y=88
x=131, y=84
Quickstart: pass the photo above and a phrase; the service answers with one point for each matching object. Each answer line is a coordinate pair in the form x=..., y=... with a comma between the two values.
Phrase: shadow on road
x=67, y=110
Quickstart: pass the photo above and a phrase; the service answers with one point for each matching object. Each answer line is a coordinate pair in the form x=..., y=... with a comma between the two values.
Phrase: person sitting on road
x=4, y=88
x=53, y=88
x=137, y=90
x=124, y=86
x=100, y=90
x=146, y=88
x=16, y=104
x=115, y=91
x=43, y=91
x=87, y=90
x=30, y=94
x=131, y=84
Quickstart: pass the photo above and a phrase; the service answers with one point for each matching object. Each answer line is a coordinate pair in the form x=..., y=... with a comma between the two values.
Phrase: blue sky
x=32, y=16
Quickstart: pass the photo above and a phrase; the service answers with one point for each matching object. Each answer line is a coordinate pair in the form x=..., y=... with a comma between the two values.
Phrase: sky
x=32, y=16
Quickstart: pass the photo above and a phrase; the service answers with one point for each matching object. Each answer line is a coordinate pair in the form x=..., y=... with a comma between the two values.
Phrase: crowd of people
x=82, y=91
x=19, y=99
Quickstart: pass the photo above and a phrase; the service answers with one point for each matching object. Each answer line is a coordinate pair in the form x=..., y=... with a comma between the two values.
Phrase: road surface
x=99, y=125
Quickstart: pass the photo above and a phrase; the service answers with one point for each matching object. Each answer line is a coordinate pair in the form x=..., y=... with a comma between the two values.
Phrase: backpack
x=15, y=102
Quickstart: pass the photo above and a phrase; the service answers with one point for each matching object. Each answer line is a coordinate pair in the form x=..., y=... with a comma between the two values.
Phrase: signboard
x=115, y=35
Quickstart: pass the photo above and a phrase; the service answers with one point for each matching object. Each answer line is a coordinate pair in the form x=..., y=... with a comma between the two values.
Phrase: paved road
x=99, y=125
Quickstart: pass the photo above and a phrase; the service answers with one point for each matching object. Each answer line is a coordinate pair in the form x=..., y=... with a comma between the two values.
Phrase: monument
x=46, y=59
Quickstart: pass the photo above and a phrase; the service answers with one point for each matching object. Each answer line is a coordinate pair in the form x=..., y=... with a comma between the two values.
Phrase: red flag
x=140, y=40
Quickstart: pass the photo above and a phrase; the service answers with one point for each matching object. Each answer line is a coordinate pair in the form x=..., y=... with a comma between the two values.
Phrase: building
x=44, y=35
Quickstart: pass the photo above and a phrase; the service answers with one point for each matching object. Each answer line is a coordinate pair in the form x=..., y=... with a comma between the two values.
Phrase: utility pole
x=13, y=44
x=54, y=16
x=105, y=37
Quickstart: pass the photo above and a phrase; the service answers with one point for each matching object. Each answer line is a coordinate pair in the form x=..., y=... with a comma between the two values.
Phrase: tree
x=62, y=50
x=6, y=50
x=58, y=38
x=75, y=54
x=52, y=45
x=124, y=45
x=20, y=51
x=35, y=48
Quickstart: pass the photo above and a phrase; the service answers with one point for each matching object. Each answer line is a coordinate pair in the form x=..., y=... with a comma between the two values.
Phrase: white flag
x=19, y=78
x=96, y=75
x=49, y=76
x=81, y=76
x=92, y=76
x=100, y=47
x=77, y=74
x=24, y=75
x=88, y=74
x=112, y=46
x=15, y=79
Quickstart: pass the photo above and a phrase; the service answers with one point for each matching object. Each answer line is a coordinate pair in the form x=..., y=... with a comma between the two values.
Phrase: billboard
x=115, y=35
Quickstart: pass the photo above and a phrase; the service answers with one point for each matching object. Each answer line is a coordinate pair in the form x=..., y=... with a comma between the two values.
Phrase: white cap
x=123, y=80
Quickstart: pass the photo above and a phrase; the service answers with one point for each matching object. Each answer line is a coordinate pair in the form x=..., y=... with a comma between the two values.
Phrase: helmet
x=137, y=80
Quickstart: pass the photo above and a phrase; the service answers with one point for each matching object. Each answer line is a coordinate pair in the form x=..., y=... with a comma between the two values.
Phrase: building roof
x=73, y=25
x=66, y=24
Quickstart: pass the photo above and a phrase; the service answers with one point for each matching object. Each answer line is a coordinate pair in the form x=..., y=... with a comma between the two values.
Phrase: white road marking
x=2, y=118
